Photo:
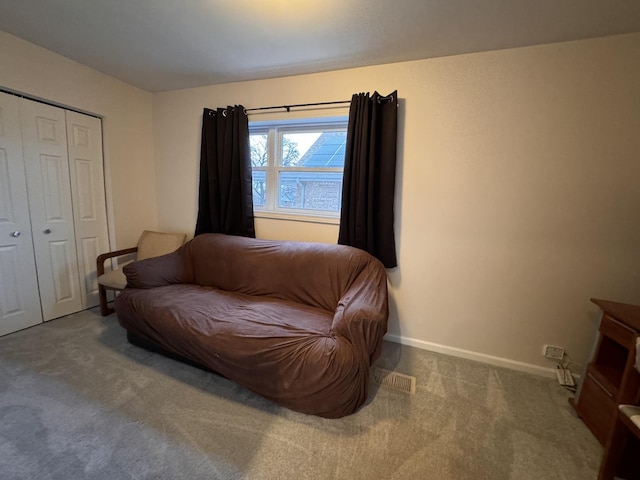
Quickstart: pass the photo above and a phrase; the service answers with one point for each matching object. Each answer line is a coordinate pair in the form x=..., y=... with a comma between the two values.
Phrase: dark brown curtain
x=225, y=203
x=366, y=219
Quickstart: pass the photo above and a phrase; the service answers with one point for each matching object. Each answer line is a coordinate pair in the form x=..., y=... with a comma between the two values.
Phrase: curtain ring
x=224, y=112
x=386, y=99
x=211, y=113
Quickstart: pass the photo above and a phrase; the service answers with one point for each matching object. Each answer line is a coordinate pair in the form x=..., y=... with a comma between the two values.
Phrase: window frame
x=275, y=130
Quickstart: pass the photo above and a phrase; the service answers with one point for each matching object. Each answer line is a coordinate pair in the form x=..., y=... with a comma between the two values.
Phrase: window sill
x=292, y=217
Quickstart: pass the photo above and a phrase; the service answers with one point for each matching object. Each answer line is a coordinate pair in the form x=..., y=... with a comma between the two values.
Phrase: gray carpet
x=78, y=402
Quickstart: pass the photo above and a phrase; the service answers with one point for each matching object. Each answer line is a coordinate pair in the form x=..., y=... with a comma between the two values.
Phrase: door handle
x=15, y=234
x=46, y=231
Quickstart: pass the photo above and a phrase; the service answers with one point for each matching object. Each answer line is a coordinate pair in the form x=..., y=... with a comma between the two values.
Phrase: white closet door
x=19, y=299
x=44, y=141
x=84, y=134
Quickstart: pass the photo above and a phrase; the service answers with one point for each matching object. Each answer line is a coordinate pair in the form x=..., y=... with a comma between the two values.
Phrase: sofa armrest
x=159, y=271
x=362, y=312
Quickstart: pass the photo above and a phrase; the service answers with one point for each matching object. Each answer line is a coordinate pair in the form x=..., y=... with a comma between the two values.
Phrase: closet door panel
x=19, y=297
x=46, y=162
x=84, y=135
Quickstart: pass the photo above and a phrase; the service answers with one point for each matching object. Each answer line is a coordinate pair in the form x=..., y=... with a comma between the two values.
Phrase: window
x=297, y=166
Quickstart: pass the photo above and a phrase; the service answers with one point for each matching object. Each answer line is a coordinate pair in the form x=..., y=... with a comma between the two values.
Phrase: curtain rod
x=289, y=107
x=317, y=104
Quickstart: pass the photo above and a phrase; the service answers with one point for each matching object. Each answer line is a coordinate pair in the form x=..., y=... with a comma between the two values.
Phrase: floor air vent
x=397, y=381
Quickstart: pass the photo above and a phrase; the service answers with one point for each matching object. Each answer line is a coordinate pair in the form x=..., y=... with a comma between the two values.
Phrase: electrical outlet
x=552, y=352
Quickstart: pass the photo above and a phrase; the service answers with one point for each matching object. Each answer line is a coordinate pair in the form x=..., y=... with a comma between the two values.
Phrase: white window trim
x=273, y=128
x=296, y=217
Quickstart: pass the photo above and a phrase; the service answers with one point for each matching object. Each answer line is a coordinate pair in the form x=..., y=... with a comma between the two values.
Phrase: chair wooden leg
x=105, y=310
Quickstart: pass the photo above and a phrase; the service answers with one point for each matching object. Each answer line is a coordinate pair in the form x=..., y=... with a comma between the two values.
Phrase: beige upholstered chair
x=150, y=244
x=623, y=445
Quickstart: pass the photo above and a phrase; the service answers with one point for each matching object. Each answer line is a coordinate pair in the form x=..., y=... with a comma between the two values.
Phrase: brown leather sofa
x=298, y=323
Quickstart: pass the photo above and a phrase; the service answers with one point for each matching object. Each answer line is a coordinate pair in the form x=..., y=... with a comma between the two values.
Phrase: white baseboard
x=469, y=355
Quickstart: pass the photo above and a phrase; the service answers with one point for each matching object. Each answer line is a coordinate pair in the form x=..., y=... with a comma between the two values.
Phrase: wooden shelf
x=608, y=377
x=611, y=377
x=628, y=314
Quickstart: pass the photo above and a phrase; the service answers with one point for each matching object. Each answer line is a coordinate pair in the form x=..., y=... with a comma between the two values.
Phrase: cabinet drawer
x=597, y=408
x=618, y=331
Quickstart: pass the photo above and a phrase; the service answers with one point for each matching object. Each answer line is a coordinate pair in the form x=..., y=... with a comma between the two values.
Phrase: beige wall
x=518, y=189
x=127, y=126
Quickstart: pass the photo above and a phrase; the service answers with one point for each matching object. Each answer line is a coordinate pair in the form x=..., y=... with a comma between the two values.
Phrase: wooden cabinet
x=611, y=378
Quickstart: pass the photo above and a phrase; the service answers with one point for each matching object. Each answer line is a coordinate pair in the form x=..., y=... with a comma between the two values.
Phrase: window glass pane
x=259, y=188
x=259, y=150
x=306, y=173
x=320, y=191
x=313, y=149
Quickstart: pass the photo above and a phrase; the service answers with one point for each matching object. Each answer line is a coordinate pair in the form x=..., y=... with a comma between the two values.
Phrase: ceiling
x=161, y=45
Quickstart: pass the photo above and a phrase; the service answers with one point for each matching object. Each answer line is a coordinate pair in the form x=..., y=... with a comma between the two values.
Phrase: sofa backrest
x=314, y=274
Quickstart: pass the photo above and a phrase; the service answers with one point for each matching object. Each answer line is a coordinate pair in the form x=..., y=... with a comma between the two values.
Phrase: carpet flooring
x=79, y=402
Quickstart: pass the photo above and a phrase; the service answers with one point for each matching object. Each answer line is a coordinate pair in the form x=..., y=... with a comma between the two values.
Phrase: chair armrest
x=117, y=253
x=363, y=311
